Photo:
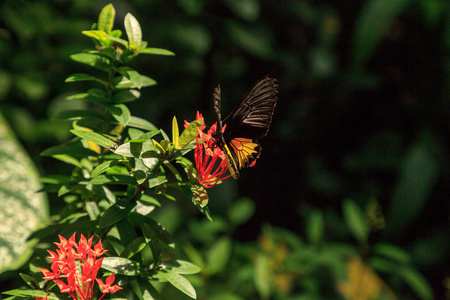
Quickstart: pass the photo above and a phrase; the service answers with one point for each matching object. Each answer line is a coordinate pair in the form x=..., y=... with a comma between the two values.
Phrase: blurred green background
x=363, y=110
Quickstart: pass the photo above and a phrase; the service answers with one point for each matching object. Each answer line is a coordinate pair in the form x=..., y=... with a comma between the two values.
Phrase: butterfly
x=245, y=125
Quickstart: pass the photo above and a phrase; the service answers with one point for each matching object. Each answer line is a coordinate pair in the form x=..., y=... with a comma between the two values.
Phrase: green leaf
x=419, y=172
x=241, y=211
x=126, y=96
x=393, y=252
x=152, y=242
x=93, y=60
x=103, y=167
x=148, y=200
x=133, y=30
x=137, y=122
x=199, y=195
x=218, y=255
x=356, y=222
x=190, y=133
x=417, y=282
x=134, y=247
x=263, y=276
x=178, y=281
x=120, y=112
x=92, y=210
x=154, y=51
x=181, y=267
x=144, y=149
x=29, y=280
x=113, y=215
x=98, y=35
x=75, y=149
x=23, y=207
x=82, y=77
x=122, y=266
x=30, y=293
x=106, y=18
x=94, y=137
x=374, y=21
x=175, y=133
x=113, y=179
x=98, y=96
x=315, y=226
x=68, y=159
x=127, y=83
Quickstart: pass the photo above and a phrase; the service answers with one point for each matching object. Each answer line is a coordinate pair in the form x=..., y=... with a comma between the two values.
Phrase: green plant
x=121, y=170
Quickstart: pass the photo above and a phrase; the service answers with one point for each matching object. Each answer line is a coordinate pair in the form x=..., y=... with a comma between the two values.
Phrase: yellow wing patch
x=240, y=153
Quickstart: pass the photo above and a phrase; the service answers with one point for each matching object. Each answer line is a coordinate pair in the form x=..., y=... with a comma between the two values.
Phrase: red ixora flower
x=78, y=265
x=207, y=154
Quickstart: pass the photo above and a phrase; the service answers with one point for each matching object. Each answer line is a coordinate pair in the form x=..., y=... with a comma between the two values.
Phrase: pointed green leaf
x=99, y=35
x=122, y=266
x=154, y=51
x=75, y=149
x=190, y=133
x=106, y=18
x=120, y=112
x=126, y=96
x=94, y=137
x=355, y=219
x=113, y=215
x=417, y=282
x=103, y=167
x=152, y=242
x=393, y=252
x=93, y=60
x=263, y=276
x=133, y=30
x=82, y=77
x=148, y=200
x=175, y=133
x=178, y=281
x=134, y=247
x=113, y=179
x=181, y=267
x=137, y=122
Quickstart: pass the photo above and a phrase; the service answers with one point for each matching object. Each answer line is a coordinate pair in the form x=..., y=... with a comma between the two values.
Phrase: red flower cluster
x=206, y=155
x=78, y=264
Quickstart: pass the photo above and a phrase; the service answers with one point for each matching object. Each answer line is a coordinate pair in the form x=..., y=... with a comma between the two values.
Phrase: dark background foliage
x=363, y=108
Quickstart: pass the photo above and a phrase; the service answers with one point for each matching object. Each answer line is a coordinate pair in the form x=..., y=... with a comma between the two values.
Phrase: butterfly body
x=237, y=135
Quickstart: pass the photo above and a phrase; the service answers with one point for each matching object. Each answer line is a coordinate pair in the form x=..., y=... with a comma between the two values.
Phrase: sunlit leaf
x=133, y=30
x=178, y=281
x=93, y=137
x=93, y=60
x=106, y=18
x=122, y=266
x=23, y=208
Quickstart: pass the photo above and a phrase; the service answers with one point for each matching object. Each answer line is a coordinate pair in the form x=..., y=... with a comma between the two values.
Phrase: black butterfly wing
x=247, y=123
x=252, y=118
